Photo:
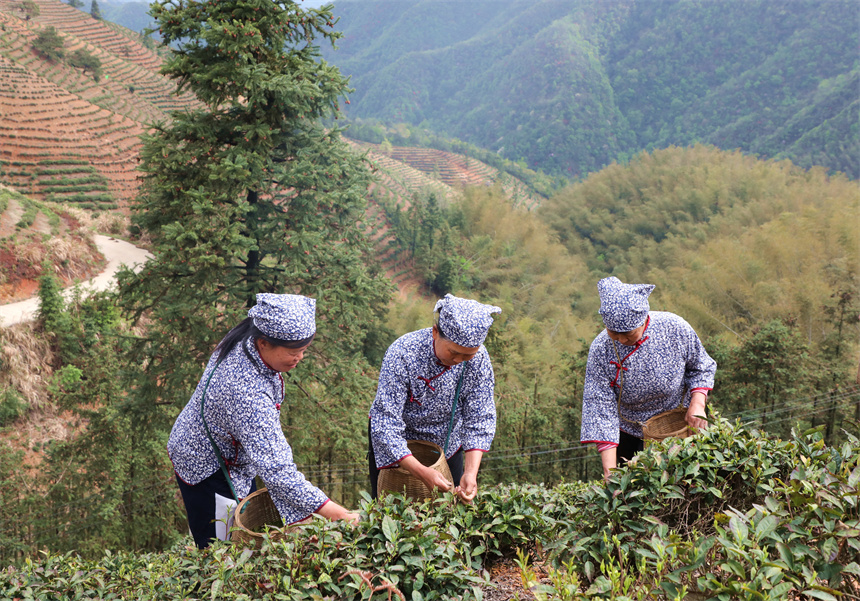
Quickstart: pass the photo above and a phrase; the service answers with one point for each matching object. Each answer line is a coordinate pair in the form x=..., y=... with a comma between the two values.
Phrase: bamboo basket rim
x=256, y=511
x=670, y=423
x=400, y=480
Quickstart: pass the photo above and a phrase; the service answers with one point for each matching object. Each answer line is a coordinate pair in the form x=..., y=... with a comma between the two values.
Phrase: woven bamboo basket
x=254, y=513
x=666, y=424
x=399, y=480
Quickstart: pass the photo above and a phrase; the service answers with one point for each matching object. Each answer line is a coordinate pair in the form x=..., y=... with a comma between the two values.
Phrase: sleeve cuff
x=602, y=445
x=396, y=463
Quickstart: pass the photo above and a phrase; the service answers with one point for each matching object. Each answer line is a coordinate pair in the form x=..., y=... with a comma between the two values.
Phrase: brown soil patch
x=70, y=250
x=507, y=581
x=10, y=217
x=20, y=290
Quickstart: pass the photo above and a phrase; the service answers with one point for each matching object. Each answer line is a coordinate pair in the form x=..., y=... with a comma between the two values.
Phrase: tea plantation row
x=729, y=514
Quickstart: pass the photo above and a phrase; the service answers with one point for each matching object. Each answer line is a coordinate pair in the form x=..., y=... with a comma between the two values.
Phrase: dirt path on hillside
x=117, y=252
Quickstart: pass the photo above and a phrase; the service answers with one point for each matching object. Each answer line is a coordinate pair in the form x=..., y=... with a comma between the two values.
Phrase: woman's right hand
x=434, y=479
x=430, y=477
x=335, y=511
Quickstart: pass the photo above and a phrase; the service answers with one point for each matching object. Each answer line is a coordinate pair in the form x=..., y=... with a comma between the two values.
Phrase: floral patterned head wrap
x=624, y=307
x=463, y=321
x=284, y=316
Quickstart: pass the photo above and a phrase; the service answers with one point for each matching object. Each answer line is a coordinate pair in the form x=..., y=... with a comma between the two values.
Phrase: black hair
x=437, y=326
x=245, y=330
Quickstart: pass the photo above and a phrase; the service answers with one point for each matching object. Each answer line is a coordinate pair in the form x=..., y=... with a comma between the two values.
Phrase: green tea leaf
x=767, y=525
x=216, y=588
x=389, y=528
x=739, y=529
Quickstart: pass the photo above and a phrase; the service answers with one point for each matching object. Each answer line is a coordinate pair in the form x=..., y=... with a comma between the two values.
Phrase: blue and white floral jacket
x=668, y=361
x=415, y=397
x=242, y=410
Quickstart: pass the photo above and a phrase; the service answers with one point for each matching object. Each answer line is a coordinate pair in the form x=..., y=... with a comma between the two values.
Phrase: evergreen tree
x=766, y=376
x=30, y=9
x=250, y=194
x=50, y=44
x=82, y=59
x=95, y=11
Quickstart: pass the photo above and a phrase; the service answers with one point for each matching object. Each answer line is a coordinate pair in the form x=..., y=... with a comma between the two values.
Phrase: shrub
x=765, y=516
x=49, y=44
x=729, y=514
x=82, y=59
x=29, y=214
x=12, y=406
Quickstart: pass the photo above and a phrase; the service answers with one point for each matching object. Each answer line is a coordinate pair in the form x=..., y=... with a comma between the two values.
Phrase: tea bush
x=729, y=514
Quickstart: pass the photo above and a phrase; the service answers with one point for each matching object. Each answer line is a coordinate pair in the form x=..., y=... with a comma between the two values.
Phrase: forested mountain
x=755, y=240
x=571, y=86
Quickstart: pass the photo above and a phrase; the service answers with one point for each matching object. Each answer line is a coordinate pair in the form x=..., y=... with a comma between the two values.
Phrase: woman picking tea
x=644, y=363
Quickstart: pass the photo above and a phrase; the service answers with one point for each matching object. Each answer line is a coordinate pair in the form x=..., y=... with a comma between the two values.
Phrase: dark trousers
x=199, y=502
x=628, y=446
x=455, y=464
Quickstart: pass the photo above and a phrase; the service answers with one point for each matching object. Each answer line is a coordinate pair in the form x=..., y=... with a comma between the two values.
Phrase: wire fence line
x=745, y=416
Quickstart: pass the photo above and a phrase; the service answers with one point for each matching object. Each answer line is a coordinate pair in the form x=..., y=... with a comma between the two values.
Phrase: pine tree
x=50, y=44
x=249, y=194
x=30, y=9
x=95, y=11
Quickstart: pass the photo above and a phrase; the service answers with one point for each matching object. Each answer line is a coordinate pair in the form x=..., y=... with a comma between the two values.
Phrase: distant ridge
x=568, y=86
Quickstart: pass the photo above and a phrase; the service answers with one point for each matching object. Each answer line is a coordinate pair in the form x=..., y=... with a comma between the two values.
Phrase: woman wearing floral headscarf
x=653, y=359
x=415, y=397
x=230, y=430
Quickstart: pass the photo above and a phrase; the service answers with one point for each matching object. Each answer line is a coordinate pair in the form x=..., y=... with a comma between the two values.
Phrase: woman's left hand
x=697, y=407
x=468, y=488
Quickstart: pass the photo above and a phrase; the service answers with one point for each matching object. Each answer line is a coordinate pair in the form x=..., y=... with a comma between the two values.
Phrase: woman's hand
x=469, y=480
x=697, y=407
x=430, y=477
x=334, y=511
x=468, y=488
x=609, y=460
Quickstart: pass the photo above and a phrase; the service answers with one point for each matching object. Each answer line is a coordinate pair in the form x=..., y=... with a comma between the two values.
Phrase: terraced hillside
x=72, y=137
x=402, y=172
x=455, y=171
x=66, y=135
